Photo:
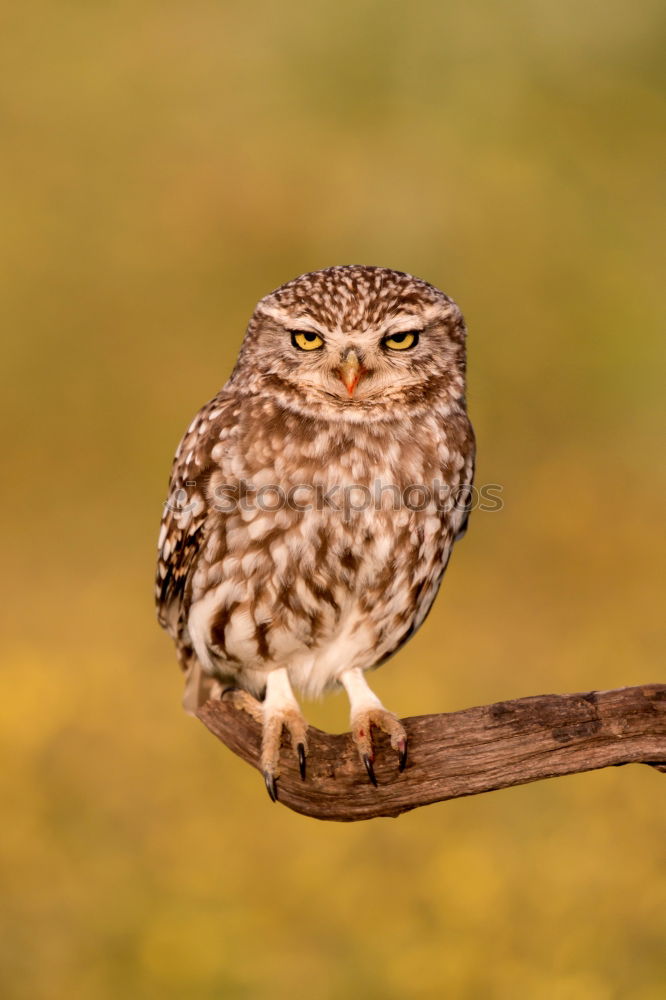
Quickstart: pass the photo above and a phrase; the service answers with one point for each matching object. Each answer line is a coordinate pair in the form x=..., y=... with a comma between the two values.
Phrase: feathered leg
x=367, y=711
x=279, y=710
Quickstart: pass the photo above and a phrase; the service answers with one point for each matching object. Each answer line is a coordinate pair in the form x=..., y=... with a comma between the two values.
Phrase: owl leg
x=367, y=711
x=280, y=711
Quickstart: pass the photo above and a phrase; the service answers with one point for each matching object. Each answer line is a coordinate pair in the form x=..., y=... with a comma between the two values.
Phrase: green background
x=166, y=164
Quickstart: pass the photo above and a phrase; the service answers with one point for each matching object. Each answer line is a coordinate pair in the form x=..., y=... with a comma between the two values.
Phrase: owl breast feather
x=323, y=550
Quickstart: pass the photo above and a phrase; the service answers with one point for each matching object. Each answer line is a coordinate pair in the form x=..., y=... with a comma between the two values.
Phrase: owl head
x=355, y=340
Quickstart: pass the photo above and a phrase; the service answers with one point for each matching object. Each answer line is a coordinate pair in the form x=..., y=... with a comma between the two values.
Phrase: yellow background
x=163, y=166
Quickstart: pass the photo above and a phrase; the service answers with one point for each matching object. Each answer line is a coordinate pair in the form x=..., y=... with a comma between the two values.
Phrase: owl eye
x=401, y=341
x=305, y=340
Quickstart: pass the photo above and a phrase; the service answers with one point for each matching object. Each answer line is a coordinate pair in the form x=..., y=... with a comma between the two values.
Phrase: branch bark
x=461, y=753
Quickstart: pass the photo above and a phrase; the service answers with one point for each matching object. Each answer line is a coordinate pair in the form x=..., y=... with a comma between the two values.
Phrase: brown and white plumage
x=293, y=552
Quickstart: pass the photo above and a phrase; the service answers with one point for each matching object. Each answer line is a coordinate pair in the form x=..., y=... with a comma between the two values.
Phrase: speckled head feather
x=348, y=379
x=352, y=297
x=354, y=308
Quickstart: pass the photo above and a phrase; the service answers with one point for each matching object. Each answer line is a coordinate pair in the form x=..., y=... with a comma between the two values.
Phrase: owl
x=315, y=500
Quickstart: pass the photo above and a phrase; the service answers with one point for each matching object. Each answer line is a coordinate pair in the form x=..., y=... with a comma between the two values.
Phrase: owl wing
x=467, y=501
x=459, y=437
x=186, y=514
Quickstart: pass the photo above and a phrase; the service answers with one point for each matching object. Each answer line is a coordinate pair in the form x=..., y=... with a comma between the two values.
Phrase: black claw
x=402, y=759
x=271, y=787
x=300, y=750
x=370, y=769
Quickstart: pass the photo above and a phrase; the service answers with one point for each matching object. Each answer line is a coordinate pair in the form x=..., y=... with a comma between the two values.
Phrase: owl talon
x=402, y=755
x=280, y=712
x=367, y=711
x=271, y=786
x=370, y=769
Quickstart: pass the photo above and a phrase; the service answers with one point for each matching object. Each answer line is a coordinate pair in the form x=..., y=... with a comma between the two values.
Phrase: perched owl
x=315, y=500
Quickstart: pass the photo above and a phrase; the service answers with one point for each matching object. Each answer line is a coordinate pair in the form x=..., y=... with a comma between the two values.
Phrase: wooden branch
x=461, y=753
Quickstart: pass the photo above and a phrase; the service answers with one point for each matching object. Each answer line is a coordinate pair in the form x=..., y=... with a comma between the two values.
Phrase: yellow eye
x=401, y=341
x=305, y=340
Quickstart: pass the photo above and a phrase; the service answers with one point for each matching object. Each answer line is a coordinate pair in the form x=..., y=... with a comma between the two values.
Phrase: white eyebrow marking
x=403, y=324
x=407, y=322
x=300, y=323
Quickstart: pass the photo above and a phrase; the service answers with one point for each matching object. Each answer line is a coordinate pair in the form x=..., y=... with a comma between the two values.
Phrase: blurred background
x=165, y=165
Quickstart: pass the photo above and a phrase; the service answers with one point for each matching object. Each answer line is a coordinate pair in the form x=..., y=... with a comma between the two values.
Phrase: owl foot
x=245, y=702
x=280, y=711
x=367, y=711
x=389, y=723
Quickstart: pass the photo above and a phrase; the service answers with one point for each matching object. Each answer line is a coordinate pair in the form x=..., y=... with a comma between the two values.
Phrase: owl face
x=356, y=337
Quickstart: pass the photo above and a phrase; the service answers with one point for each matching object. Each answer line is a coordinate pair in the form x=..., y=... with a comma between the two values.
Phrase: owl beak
x=350, y=371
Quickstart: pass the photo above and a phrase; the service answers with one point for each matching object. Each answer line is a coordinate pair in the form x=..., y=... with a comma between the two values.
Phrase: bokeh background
x=166, y=164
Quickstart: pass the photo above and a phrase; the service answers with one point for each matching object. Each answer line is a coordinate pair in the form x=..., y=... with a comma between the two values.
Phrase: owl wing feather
x=458, y=434
x=186, y=514
x=468, y=480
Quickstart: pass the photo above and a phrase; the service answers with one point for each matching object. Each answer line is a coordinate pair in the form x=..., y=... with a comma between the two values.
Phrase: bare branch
x=462, y=753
